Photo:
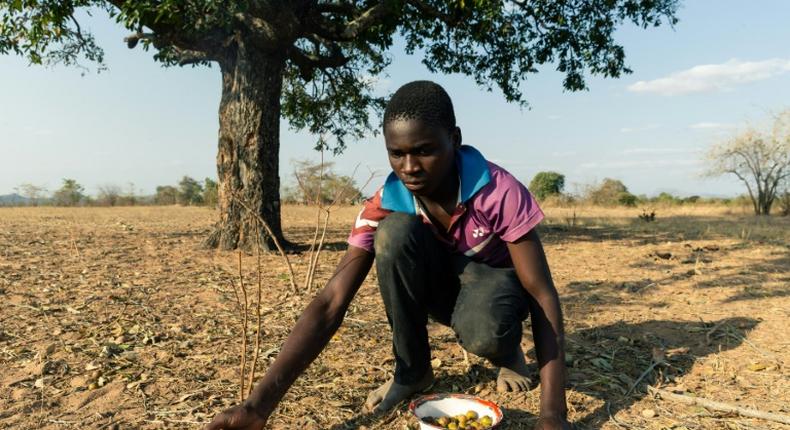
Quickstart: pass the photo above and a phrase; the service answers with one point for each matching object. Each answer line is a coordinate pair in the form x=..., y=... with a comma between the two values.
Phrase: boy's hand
x=239, y=417
x=552, y=423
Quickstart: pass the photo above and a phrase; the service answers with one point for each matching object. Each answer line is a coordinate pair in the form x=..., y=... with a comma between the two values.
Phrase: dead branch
x=719, y=406
x=271, y=234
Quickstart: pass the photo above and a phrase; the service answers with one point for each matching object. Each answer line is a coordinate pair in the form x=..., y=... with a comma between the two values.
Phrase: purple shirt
x=493, y=208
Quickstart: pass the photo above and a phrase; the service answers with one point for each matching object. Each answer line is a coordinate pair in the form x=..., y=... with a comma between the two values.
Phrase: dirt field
x=115, y=318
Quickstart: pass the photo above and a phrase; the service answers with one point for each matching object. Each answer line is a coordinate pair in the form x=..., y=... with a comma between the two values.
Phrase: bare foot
x=390, y=394
x=514, y=377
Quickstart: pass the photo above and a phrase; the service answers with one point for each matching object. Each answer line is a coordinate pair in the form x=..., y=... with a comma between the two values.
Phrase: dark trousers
x=418, y=277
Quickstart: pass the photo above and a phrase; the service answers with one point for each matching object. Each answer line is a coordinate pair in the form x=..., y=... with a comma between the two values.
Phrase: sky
x=723, y=67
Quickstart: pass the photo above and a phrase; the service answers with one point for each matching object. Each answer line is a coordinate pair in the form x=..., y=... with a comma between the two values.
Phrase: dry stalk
x=243, y=369
x=315, y=248
x=271, y=234
x=257, y=312
x=719, y=406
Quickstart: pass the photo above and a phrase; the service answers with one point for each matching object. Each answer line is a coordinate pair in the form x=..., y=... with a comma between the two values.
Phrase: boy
x=453, y=237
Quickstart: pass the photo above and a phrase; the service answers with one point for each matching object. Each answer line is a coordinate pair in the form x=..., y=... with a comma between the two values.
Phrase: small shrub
x=647, y=216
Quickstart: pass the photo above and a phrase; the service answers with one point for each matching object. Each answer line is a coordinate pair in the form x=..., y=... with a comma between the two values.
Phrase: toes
x=501, y=385
x=374, y=399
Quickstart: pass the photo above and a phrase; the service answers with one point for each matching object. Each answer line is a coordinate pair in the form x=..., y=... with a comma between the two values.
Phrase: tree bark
x=249, y=147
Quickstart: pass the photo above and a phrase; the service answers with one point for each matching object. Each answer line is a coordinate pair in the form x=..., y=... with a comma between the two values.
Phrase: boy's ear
x=456, y=138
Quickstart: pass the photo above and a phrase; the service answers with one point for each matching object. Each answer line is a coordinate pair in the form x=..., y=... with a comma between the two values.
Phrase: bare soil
x=116, y=318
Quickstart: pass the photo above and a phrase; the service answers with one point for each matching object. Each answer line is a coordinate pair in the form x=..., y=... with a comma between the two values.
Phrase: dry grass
x=114, y=318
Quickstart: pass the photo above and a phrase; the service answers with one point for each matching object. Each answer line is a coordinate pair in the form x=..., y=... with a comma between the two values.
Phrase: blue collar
x=473, y=172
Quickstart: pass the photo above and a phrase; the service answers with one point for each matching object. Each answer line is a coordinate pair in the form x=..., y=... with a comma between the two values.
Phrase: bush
x=546, y=184
x=611, y=192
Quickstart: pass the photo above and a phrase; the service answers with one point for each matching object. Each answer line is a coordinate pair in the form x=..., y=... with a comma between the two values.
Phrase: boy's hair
x=422, y=100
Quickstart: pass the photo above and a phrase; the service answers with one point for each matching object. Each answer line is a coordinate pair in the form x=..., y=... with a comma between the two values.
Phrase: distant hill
x=13, y=199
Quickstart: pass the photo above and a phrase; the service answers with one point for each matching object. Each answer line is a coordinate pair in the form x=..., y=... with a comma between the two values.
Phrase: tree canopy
x=758, y=158
x=546, y=184
x=334, y=50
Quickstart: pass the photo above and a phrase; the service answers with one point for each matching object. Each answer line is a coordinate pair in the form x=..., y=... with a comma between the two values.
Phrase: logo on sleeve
x=479, y=232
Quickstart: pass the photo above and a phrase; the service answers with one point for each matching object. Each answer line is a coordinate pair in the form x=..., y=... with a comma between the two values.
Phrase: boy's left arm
x=532, y=269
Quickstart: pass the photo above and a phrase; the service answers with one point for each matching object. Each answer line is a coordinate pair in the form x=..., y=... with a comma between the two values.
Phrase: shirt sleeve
x=517, y=212
x=366, y=223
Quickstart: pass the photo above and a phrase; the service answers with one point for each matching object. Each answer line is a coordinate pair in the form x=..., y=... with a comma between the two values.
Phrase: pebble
x=648, y=413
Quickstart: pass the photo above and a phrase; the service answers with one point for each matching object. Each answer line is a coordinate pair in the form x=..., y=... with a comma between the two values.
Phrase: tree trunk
x=249, y=148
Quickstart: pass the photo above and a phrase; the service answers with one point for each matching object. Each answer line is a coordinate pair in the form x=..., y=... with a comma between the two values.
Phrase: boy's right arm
x=318, y=323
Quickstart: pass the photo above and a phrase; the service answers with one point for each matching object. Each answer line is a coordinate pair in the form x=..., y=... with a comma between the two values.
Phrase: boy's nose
x=411, y=165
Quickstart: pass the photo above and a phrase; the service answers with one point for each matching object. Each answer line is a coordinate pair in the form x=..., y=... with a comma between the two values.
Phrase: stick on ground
x=719, y=406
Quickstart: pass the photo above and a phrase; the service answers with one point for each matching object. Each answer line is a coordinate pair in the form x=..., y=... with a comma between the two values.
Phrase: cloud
x=711, y=126
x=553, y=117
x=640, y=164
x=707, y=78
x=661, y=150
x=641, y=128
x=563, y=153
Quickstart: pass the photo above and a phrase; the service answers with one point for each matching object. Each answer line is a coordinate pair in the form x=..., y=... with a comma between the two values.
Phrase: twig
x=719, y=406
x=258, y=313
x=271, y=234
x=317, y=254
x=243, y=369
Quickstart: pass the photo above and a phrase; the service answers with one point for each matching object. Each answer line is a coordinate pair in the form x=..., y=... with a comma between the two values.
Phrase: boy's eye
x=396, y=154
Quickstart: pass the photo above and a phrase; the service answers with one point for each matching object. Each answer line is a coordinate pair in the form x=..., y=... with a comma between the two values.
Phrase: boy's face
x=422, y=155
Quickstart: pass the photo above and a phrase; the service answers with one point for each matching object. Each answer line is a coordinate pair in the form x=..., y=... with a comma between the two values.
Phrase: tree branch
x=318, y=25
x=307, y=63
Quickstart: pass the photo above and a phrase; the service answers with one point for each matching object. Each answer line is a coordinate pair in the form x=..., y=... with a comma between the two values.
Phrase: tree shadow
x=607, y=361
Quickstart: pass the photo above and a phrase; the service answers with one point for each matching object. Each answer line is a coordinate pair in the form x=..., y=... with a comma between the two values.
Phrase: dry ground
x=115, y=318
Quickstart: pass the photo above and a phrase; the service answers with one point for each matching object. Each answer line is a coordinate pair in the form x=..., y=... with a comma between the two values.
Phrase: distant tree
x=108, y=195
x=546, y=184
x=784, y=202
x=317, y=184
x=190, y=192
x=69, y=194
x=666, y=198
x=311, y=62
x=130, y=197
x=33, y=193
x=612, y=192
x=210, y=193
x=166, y=195
x=760, y=159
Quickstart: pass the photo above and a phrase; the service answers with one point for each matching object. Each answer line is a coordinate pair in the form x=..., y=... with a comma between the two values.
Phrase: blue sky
x=724, y=66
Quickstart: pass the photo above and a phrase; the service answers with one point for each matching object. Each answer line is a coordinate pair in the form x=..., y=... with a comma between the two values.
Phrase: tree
x=190, y=192
x=33, y=193
x=317, y=183
x=165, y=195
x=759, y=159
x=210, y=193
x=612, y=192
x=546, y=184
x=314, y=63
x=108, y=195
x=69, y=194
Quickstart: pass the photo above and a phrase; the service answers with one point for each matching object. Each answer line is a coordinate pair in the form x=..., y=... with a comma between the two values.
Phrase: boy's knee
x=395, y=232
x=486, y=336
